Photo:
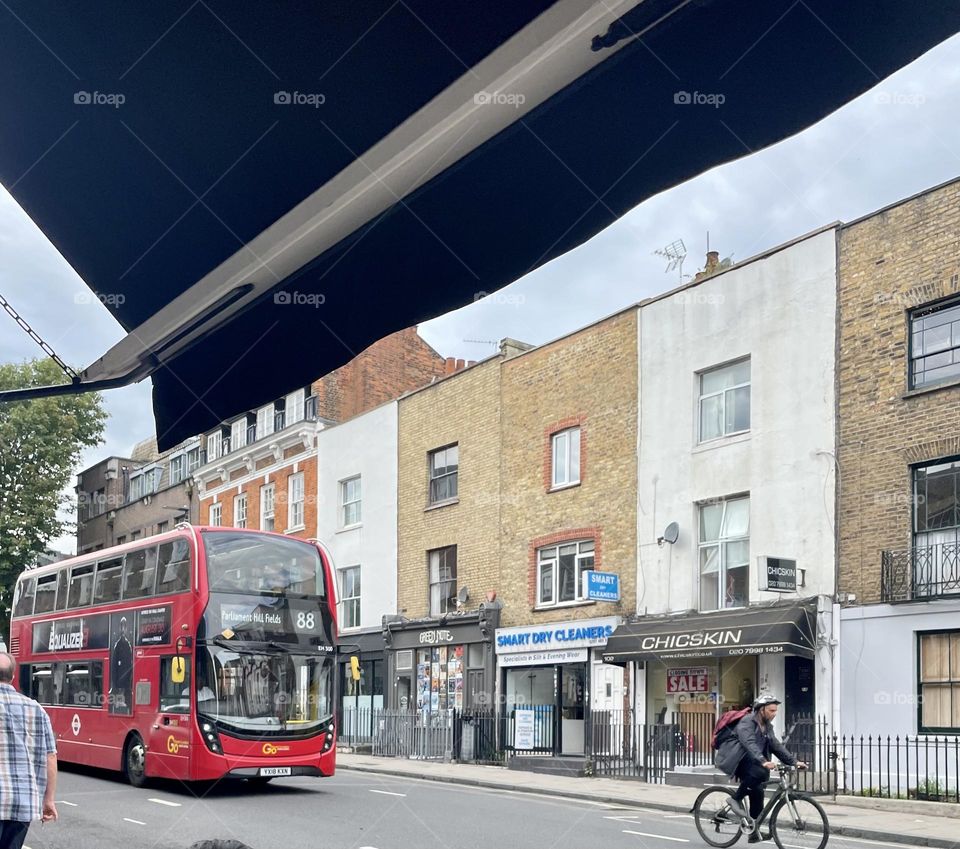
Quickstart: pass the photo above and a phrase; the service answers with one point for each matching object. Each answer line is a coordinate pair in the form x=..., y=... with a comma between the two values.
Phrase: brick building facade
x=899, y=447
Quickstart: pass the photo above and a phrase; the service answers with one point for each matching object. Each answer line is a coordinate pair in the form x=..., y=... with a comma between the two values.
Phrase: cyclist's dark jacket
x=750, y=741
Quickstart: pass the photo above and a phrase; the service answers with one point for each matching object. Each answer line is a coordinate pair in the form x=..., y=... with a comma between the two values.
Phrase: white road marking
x=387, y=793
x=677, y=816
x=632, y=818
x=135, y=822
x=65, y=802
x=165, y=802
x=659, y=836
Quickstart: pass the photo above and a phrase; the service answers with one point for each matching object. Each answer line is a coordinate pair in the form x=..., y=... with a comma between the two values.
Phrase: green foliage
x=40, y=446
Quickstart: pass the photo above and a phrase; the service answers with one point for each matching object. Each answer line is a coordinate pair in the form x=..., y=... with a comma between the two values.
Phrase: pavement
x=914, y=823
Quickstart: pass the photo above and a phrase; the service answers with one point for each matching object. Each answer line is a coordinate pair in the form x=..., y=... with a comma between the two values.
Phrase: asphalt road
x=350, y=811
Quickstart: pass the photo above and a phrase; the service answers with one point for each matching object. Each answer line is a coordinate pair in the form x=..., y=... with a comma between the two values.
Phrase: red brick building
x=260, y=468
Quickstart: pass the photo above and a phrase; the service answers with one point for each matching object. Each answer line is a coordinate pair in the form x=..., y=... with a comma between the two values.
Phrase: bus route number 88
x=306, y=621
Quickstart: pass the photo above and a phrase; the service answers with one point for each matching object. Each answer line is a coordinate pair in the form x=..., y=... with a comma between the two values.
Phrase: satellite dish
x=463, y=595
x=670, y=534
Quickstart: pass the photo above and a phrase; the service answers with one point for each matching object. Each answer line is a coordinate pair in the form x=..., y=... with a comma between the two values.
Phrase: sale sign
x=688, y=680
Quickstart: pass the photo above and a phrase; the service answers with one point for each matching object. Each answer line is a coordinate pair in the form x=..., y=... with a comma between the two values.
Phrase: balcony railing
x=307, y=412
x=924, y=572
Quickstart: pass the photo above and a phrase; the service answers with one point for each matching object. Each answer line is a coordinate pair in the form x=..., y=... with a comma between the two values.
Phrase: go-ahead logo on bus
x=270, y=749
x=174, y=745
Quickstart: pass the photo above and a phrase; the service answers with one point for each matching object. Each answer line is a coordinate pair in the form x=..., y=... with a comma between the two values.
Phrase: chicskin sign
x=586, y=633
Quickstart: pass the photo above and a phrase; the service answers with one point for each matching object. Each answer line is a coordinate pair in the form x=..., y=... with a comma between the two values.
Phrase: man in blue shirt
x=28, y=761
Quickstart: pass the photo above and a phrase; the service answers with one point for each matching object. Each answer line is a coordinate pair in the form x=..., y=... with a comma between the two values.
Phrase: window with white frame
x=266, y=507
x=350, y=597
x=295, y=499
x=265, y=416
x=935, y=343
x=178, y=465
x=238, y=434
x=442, y=567
x=216, y=515
x=444, y=465
x=350, y=502
x=135, y=490
x=240, y=511
x=293, y=408
x=560, y=571
x=724, y=405
x=214, y=446
x=566, y=457
x=725, y=554
x=193, y=460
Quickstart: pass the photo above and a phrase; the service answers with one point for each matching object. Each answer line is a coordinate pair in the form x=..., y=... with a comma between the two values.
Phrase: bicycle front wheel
x=717, y=823
x=799, y=823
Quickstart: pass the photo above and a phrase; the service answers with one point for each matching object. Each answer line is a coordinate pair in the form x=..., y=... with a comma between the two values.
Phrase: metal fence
x=469, y=736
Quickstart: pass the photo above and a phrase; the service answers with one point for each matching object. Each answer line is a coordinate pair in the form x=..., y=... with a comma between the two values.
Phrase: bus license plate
x=270, y=771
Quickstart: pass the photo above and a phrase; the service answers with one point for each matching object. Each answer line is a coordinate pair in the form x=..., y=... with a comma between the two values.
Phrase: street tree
x=40, y=447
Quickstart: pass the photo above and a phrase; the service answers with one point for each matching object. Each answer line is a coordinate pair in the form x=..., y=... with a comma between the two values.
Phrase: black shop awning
x=778, y=629
x=259, y=191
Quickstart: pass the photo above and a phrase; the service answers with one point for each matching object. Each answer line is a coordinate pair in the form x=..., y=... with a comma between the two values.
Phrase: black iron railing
x=307, y=411
x=922, y=572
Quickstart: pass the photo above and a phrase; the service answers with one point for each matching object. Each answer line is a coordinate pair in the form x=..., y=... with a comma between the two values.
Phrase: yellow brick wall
x=589, y=377
x=894, y=260
x=463, y=408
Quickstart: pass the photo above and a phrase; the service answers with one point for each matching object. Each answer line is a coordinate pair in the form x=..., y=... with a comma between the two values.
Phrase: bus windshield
x=255, y=693
x=256, y=563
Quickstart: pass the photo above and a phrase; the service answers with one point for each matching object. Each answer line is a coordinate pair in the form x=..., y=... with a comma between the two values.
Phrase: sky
x=893, y=141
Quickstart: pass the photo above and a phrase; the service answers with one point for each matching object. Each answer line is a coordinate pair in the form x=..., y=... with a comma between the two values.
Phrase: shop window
x=725, y=554
x=940, y=682
x=560, y=571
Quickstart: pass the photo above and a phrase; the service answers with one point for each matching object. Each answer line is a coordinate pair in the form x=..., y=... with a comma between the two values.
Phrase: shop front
x=441, y=664
x=545, y=683
x=360, y=698
x=697, y=666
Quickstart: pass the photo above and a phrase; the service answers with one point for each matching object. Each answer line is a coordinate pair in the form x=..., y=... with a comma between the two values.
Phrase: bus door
x=170, y=733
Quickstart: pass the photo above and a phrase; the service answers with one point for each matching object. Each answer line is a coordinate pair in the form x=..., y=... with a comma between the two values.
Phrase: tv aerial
x=674, y=254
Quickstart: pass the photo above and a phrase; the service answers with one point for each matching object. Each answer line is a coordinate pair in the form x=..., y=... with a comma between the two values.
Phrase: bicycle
x=797, y=821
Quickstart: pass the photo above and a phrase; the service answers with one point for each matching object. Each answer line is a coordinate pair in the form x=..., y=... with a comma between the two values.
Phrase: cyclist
x=746, y=755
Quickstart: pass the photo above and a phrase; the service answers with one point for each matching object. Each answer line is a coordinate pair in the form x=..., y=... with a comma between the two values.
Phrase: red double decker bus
x=193, y=655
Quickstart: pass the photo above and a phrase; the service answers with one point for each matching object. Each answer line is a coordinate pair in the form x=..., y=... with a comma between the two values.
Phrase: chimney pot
x=713, y=260
x=460, y=364
x=450, y=365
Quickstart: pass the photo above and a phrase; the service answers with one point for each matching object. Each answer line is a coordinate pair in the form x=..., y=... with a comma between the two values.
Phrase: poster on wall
x=524, y=726
x=121, y=665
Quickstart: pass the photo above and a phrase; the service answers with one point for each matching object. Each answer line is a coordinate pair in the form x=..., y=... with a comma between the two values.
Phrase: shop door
x=572, y=705
x=799, y=705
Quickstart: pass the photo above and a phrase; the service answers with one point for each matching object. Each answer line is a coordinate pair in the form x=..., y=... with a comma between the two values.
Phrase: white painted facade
x=778, y=310
x=365, y=446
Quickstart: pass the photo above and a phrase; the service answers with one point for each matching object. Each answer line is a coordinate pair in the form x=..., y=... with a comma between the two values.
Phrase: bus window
x=23, y=606
x=80, y=687
x=109, y=573
x=173, y=567
x=41, y=683
x=81, y=586
x=46, y=594
x=139, y=573
x=174, y=698
x=62, y=589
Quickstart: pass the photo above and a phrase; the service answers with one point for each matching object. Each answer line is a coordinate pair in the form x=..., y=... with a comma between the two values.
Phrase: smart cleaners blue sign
x=601, y=586
x=568, y=635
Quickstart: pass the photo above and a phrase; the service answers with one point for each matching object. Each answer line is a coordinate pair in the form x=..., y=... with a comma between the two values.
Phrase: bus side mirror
x=355, y=667
x=178, y=670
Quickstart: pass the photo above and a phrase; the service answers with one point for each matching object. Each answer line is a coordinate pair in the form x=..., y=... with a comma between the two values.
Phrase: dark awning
x=259, y=191
x=777, y=629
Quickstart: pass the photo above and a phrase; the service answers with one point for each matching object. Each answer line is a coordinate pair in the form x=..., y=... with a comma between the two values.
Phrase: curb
x=840, y=830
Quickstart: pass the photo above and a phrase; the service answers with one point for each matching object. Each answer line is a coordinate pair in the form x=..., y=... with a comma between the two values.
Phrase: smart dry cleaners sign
x=569, y=635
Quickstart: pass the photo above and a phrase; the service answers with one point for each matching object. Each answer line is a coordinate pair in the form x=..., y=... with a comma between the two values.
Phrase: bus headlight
x=211, y=738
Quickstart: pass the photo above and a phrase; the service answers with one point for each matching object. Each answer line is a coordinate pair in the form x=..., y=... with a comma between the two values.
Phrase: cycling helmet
x=765, y=699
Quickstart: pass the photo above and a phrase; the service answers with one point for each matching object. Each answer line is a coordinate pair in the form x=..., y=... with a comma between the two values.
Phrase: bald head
x=7, y=667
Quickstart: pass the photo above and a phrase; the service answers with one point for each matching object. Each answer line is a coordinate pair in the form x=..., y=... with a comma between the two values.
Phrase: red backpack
x=724, y=729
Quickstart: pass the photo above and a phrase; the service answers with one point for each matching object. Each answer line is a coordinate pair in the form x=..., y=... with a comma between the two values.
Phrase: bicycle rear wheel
x=799, y=823
x=718, y=825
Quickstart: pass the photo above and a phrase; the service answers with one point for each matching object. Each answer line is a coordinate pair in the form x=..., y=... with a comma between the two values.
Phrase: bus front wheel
x=134, y=761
